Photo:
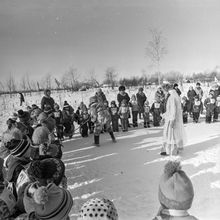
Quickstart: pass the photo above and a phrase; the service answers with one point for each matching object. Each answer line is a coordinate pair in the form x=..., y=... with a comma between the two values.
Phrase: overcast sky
x=48, y=36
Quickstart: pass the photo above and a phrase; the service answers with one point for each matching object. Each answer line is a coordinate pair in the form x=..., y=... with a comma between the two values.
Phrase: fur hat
x=23, y=115
x=141, y=89
x=50, y=202
x=40, y=135
x=98, y=209
x=49, y=168
x=121, y=88
x=14, y=133
x=18, y=147
x=175, y=188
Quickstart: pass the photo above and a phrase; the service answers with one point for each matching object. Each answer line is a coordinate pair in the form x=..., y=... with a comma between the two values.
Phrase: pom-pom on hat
x=40, y=135
x=175, y=187
x=49, y=203
x=98, y=208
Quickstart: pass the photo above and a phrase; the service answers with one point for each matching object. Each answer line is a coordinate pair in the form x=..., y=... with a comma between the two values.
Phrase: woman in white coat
x=174, y=136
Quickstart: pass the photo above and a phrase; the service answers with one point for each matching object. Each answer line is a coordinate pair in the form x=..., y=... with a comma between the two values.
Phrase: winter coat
x=47, y=101
x=156, y=108
x=191, y=94
x=209, y=105
x=114, y=112
x=121, y=97
x=124, y=112
x=173, y=135
x=185, y=106
x=159, y=95
x=197, y=107
x=58, y=116
x=134, y=106
x=199, y=92
x=141, y=98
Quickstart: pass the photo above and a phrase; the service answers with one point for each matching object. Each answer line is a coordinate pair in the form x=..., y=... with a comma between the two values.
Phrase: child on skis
x=114, y=115
x=146, y=114
x=134, y=109
x=124, y=115
x=197, y=109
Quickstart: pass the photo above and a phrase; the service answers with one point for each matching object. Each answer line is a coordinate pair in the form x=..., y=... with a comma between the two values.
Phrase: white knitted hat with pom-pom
x=175, y=187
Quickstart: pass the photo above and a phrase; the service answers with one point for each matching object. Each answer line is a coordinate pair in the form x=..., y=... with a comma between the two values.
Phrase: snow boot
x=96, y=140
x=112, y=137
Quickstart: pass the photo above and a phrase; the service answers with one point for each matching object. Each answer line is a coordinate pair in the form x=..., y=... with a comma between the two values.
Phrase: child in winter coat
x=209, y=104
x=185, y=107
x=217, y=109
x=124, y=115
x=68, y=119
x=156, y=110
x=175, y=194
x=146, y=114
x=197, y=109
x=134, y=109
x=115, y=116
x=83, y=119
x=58, y=116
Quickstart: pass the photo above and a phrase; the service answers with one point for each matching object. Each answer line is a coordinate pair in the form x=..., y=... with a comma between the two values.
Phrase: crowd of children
x=194, y=105
x=33, y=184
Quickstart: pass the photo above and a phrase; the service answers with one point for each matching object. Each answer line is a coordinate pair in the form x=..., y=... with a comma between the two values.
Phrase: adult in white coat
x=174, y=136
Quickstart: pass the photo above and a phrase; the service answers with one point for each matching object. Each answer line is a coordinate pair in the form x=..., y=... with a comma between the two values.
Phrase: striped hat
x=49, y=203
x=18, y=147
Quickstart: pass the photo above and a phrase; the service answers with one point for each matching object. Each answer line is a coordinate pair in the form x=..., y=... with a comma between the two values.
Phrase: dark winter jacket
x=121, y=97
x=209, y=105
x=141, y=98
x=185, y=106
x=191, y=94
x=47, y=101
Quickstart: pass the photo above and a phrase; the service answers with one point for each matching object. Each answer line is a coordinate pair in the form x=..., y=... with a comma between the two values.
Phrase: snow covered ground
x=128, y=171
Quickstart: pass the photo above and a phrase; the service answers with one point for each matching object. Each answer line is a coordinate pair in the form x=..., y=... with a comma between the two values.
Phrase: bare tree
x=70, y=79
x=48, y=81
x=10, y=83
x=93, y=78
x=110, y=76
x=23, y=83
x=156, y=49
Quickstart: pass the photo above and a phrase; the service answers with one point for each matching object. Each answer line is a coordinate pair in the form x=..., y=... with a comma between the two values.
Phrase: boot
x=96, y=140
x=145, y=125
x=112, y=136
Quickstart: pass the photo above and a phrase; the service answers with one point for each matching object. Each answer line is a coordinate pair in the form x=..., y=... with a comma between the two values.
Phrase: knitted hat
x=14, y=133
x=18, y=147
x=50, y=202
x=40, y=135
x=23, y=115
x=175, y=188
x=56, y=106
x=98, y=209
